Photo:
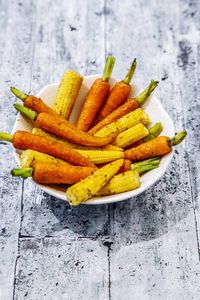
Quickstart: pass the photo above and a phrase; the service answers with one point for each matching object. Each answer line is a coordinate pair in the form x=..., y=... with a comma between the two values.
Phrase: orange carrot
x=23, y=140
x=118, y=94
x=62, y=128
x=156, y=147
x=95, y=97
x=125, y=167
x=45, y=173
x=125, y=108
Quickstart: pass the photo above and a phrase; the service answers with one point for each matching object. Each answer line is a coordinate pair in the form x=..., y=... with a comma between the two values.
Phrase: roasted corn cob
x=123, y=182
x=88, y=187
x=29, y=157
x=67, y=93
x=131, y=135
x=123, y=123
x=101, y=156
x=40, y=132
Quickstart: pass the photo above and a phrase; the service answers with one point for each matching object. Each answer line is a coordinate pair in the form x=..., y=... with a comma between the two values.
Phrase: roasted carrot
x=125, y=167
x=32, y=102
x=118, y=94
x=62, y=128
x=45, y=173
x=125, y=108
x=95, y=97
x=156, y=147
x=23, y=140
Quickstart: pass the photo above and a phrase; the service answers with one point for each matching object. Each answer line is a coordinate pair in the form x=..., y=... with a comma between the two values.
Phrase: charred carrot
x=23, y=140
x=95, y=97
x=118, y=94
x=125, y=108
x=62, y=128
x=45, y=173
x=156, y=147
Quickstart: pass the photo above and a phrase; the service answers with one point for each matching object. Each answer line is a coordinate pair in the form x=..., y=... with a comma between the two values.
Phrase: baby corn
x=101, y=156
x=131, y=135
x=29, y=157
x=123, y=182
x=124, y=123
x=88, y=187
x=67, y=93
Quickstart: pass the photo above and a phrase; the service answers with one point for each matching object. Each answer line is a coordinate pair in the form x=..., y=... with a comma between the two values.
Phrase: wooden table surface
x=144, y=248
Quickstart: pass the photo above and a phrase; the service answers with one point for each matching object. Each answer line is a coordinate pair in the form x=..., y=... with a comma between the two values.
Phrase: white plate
x=153, y=107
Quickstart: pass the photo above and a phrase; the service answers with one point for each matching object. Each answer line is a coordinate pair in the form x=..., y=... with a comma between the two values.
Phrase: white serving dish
x=152, y=106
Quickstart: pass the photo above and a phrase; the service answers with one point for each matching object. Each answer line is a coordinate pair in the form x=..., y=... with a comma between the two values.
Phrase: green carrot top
x=110, y=62
x=130, y=73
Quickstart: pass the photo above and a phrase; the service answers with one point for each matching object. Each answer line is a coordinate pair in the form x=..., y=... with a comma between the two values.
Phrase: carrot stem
x=22, y=172
x=6, y=137
x=110, y=62
x=178, y=138
x=147, y=92
x=31, y=114
x=130, y=73
x=19, y=94
x=146, y=165
x=154, y=131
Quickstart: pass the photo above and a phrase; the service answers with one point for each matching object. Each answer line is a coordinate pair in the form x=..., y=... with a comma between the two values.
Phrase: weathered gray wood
x=144, y=248
x=55, y=269
x=148, y=268
x=15, y=48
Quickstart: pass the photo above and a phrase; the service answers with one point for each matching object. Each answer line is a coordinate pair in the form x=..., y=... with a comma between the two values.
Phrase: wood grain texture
x=77, y=272
x=146, y=247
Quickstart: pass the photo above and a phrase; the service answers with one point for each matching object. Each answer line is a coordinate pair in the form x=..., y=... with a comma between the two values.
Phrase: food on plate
x=125, y=108
x=88, y=187
x=23, y=140
x=131, y=135
x=46, y=173
x=129, y=120
x=154, y=131
x=146, y=165
x=33, y=102
x=101, y=156
x=157, y=147
x=40, y=132
x=118, y=94
x=103, y=160
x=120, y=183
x=29, y=157
x=96, y=97
x=67, y=93
x=62, y=128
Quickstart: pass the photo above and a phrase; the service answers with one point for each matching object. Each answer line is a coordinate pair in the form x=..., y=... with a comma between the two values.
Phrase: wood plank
x=165, y=211
x=15, y=48
x=8, y=254
x=67, y=41
x=61, y=269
